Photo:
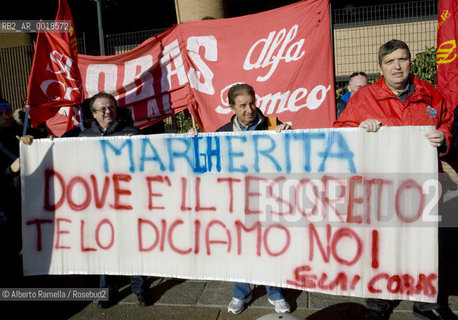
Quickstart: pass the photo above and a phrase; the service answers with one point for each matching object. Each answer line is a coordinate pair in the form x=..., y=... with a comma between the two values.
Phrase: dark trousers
x=389, y=305
x=448, y=239
x=138, y=283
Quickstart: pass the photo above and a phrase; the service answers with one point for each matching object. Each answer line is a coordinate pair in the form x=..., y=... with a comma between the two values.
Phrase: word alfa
x=278, y=46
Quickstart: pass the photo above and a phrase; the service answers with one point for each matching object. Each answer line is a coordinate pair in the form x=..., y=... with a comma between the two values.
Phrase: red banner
x=55, y=81
x=447, y=61
x=285, y=54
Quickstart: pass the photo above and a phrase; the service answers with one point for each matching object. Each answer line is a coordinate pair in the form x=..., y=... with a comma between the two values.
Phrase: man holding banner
x=400, y=99
x=10, y=193
x=247, y=117
x=104, y=110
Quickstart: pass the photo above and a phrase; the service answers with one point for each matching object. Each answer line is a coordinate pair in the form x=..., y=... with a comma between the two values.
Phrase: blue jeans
x=242, y=290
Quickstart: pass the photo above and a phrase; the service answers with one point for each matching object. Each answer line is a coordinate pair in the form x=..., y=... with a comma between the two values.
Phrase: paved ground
x=190, y=299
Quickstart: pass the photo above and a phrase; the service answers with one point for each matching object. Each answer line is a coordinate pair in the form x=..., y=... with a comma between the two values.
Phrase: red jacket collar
x=383, y=92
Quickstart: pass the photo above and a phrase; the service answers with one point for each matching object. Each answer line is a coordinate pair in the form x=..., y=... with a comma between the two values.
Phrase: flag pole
x=178, y=13
x=80, y=114
x=193, y=122
x=99, y=19
x=26, y=120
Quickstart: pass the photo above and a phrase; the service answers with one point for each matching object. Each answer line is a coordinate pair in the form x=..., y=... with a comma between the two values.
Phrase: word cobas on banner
x=326, y=209
x=286, y=57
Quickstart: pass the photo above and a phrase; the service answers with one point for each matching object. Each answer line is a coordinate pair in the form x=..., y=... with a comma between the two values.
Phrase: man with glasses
x=357, y=81
x=106, y=122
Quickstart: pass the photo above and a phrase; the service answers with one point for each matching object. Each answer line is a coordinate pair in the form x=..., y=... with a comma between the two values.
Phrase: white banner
x=338, y=211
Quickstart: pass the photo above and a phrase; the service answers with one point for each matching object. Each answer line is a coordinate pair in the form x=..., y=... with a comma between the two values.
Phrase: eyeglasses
x=354, y=74
x=105, y=109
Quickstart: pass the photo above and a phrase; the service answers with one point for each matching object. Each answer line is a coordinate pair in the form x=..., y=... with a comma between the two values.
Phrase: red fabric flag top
x=55, y=80
x=447, y=60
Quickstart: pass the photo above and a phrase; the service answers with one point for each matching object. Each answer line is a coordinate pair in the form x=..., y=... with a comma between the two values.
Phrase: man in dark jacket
x=10, y=200
x=10, y=193
x=247, y=116
x=357, y=81
x=105, y=123
x=104, y=108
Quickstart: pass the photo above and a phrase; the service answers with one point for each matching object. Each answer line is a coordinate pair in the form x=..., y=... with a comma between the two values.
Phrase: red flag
x=55, y=80
x=286, y=56
x=447, y=60
x=59, y=123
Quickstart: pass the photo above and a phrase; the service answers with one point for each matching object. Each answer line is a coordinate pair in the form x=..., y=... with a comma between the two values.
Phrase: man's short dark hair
x=359, y=73
x=238, y=89
x=101, y=95
x=391, y=46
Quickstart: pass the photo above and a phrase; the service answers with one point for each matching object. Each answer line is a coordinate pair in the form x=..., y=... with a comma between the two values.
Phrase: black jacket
x=262, y=125
x=116, y=129
x=340, y=107
x=9, y=151
x=10, y=182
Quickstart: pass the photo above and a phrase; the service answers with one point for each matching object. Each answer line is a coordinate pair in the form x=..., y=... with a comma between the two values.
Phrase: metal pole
x=177, y=11
x=26, y=120
x=99, y=19
x=332, y=43
x=80, y=113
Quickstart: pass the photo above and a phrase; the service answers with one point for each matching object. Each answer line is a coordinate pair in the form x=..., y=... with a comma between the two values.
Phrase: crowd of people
x=398, y=98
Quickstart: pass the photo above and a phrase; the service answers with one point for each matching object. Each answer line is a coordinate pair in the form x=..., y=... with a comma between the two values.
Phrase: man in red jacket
x=400, y=99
